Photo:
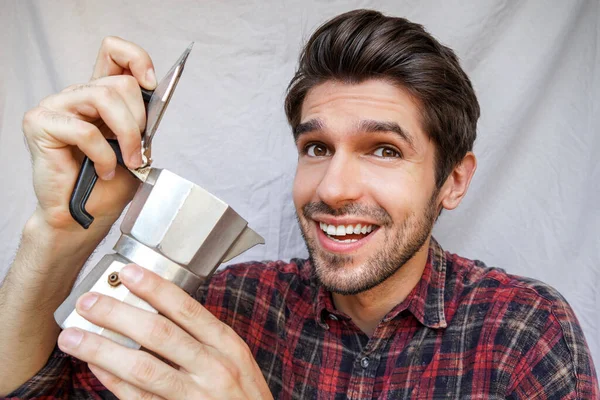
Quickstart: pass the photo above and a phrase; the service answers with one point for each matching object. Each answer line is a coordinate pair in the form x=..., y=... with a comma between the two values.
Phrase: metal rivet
x=113, y=279
x=364, y=362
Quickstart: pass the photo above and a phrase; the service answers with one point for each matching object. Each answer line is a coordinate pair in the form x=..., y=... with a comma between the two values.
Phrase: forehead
x=342, y=105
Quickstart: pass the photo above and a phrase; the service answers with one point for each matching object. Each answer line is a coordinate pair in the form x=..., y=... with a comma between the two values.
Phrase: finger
x=117, y=56
x=119, y=387
x=152, y=331
x=135, y=367
x=179, y=307
x=56, y=130
x=105, y=102
x=127, y=87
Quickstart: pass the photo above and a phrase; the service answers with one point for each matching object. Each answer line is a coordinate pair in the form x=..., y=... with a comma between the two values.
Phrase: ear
x=457, y=183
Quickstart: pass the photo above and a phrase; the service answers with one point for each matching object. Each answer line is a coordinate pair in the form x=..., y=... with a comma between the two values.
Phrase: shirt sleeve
x=63, y=377
x=559, y=365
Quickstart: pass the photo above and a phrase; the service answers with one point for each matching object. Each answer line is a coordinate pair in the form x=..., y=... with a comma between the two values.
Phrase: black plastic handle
x=86, y=180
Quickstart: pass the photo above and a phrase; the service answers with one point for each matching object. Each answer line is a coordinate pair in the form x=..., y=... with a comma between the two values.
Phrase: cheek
x=305, y=185
x=399, y=192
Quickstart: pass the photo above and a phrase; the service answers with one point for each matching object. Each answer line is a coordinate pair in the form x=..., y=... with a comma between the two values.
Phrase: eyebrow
x=306, y=127
x=364, y=126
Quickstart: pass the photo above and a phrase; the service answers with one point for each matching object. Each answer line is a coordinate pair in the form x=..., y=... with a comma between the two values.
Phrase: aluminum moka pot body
x=174, y=228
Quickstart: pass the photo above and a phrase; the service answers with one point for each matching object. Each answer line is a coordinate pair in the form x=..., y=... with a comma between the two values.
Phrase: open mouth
x=347, y=233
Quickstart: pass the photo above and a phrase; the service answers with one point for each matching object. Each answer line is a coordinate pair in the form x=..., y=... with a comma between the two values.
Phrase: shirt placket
x=366, y=364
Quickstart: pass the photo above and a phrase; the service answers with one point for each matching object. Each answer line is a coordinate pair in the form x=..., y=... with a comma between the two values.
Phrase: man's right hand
x=54, y=247
x=77, y=121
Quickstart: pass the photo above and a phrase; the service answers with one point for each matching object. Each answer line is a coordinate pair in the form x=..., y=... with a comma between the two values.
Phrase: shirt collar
x=425, y=301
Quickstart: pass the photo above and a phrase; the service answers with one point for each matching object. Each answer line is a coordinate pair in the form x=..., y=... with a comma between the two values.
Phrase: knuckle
x=219, y=370
x=144, y=372
x=162, y=330
x=222, y=330
x=190, y=310
x=199, y=352
x=30, y=119
x=46, y=101
x=223, y=377
x=127, y=83
x=143, y=395
x=175, y=383
x=144, y=369
x=244, y=352
x=110, y=41
x=87, y=132
x=106, y=93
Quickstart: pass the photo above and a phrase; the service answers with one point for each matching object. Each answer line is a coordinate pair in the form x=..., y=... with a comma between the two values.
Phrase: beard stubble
x=398, y=248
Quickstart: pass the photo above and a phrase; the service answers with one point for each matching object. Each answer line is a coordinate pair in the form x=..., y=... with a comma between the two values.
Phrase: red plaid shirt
x=465, y=331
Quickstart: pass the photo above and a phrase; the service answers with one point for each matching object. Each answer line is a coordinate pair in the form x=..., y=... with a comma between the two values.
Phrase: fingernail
x=131, y=273
x=151, y=77
x=136, y=159
x=109, y=175
x=87, y=301
x=70, y=338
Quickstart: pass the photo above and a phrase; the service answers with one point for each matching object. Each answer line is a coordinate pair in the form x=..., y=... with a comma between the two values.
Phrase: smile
x=345, y=230
x=344, y=238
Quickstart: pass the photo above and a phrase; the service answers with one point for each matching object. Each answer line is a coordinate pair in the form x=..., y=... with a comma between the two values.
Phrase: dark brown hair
x=365, y=44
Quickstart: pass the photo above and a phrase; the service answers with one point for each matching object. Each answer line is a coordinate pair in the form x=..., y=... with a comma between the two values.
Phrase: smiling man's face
x=364, y=188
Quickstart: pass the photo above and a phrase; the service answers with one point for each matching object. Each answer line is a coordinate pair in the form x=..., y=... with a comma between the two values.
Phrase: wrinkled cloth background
x=532, y=208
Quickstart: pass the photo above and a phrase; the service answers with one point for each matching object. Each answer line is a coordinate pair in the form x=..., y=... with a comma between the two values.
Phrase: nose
x=341, y=183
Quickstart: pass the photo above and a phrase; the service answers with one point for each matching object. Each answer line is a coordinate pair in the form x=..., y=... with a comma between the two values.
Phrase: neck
x=368, y=308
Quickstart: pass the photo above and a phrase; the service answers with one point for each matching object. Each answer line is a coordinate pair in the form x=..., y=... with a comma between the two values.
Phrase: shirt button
x=364, y=362
x=333, y=317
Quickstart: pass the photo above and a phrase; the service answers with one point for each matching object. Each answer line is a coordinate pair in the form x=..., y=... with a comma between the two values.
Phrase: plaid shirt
x=465, y=331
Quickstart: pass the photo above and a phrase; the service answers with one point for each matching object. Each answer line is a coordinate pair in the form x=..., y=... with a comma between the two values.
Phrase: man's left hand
x=204, y=357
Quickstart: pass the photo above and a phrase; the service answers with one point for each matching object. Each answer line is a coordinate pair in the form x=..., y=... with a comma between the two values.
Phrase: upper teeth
x=343, y=230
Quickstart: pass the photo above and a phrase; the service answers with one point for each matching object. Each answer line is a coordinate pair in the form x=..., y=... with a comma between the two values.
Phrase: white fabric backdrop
x=533, y=204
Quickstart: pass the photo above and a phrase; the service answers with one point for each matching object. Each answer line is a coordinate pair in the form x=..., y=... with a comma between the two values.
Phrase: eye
x=316, y=150
x=387, y=152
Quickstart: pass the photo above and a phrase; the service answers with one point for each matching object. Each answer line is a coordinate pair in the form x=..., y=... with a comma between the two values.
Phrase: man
x=384, y=120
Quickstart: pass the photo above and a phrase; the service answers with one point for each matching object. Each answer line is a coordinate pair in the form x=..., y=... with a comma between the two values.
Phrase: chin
x=345, y=275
